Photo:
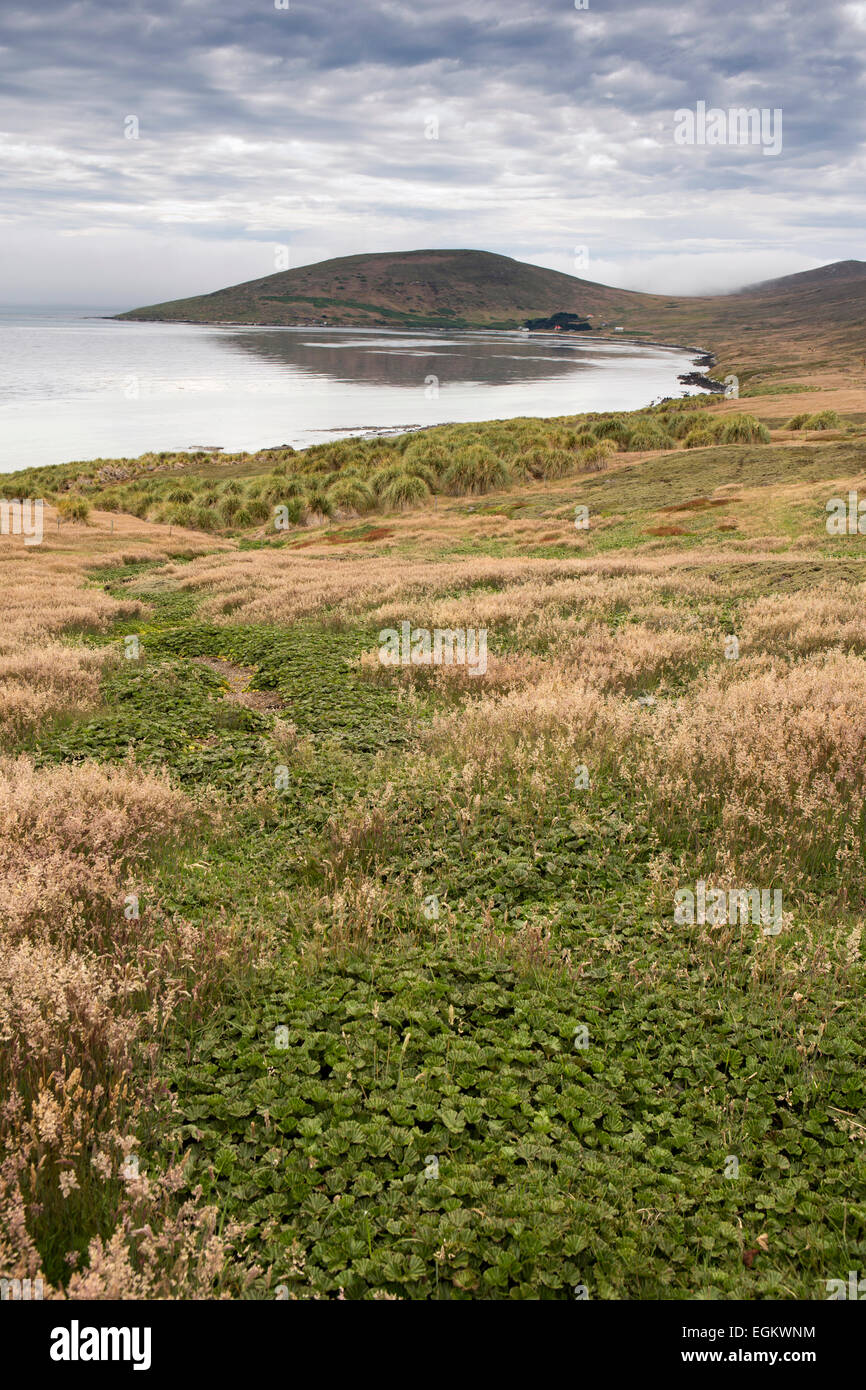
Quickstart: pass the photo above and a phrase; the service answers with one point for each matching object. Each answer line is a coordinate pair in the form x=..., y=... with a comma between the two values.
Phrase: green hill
x=443, y=289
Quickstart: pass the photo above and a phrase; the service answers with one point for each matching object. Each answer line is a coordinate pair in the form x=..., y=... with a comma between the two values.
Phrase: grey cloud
x=555, y=128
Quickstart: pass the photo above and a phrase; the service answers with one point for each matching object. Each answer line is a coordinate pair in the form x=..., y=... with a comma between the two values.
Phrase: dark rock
x=697, y=379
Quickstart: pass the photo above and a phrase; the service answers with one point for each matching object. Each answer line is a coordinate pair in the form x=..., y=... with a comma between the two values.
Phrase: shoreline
x=707, y=355
x=360, y=432
x=593, y=336
x=587, y=381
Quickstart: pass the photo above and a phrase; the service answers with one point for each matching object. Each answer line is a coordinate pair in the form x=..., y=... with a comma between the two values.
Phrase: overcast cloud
x=311, y=128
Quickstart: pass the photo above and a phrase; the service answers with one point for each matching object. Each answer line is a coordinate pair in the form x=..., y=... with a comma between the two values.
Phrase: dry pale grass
x=766, y=750
x=281, y=586
x=41, y=676
x=775, y=756
x=68, y=835
x=803, y=623
x=592, y=651
x=89, y=979
x=759, y=767
x=41, y=683
x=46, y=598
x=87, y=984
x=837, y=390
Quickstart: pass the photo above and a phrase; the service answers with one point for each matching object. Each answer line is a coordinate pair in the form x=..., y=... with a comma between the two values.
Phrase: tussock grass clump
x=557, y=463
x=411, y=465
x=385, y=474
x=699, y=437
x=426, y=458
x=613, y=427
x=543, y=463
x=73, y=508
x=649, y=434
x=296, y=510
x=180, y=514
x=259, y=509
x=291, y=487
x=681, y=425
x=596, y=456
x=351, y=494
x=404, y=490
x=823, y=420
x=460, y=459
x=476, y=470
x=743, y=429
x=319, y=503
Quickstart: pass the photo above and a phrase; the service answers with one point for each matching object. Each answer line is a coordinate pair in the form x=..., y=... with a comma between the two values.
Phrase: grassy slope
x=813, y=320
x=454, y=1040
x=449, y=289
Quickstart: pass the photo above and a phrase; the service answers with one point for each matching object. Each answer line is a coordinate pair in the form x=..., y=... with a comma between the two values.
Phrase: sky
x=155, y=150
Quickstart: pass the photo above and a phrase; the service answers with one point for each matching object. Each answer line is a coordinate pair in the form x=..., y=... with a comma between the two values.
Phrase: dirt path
x=238, y=679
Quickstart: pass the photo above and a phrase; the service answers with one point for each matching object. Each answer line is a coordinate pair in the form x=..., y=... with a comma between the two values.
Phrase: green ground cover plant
x=466, y=1050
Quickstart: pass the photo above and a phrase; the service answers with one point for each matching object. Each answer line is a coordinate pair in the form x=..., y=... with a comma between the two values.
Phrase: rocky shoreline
x=700, y=378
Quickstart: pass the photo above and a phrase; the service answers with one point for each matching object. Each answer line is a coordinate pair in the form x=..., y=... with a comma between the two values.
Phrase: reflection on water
x=398, y=361
x=78, y=387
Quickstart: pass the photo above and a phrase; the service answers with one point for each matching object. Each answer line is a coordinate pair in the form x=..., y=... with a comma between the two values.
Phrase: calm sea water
x=74, y=385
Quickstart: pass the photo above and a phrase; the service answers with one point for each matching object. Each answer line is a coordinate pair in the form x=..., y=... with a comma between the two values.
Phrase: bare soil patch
x=238, y=680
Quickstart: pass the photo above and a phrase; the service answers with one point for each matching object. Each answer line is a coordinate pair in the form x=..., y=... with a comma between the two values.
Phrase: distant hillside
x=443, y=289
x=811, y=318
x=823, y=278
x=799, y=319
